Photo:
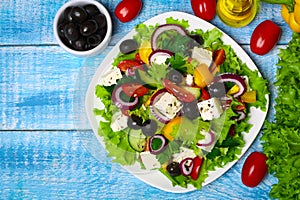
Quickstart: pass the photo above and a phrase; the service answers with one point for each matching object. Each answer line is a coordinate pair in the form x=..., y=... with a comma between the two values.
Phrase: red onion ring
x=121, y=103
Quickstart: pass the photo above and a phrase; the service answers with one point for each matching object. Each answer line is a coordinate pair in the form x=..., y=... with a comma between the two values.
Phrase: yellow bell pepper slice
x=202, y=75
x=145, y=50
x=168, y=130
x=249, y=97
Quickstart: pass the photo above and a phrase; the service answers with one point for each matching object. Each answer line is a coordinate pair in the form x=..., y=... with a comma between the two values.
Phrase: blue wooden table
x=47, y=150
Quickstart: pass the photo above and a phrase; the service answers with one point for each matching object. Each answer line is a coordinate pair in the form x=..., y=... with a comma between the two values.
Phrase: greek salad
x=177, y=100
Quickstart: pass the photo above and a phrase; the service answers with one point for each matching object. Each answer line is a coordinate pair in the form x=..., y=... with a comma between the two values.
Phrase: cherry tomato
x=205, y=9
x=125, y=64
x=197, y=162
x=178, y=92
x=264, y=37
x=134, y=89
x=255, y=169
x=127, y=10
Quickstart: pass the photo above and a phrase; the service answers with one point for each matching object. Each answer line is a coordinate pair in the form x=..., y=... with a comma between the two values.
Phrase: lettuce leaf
x=281, y=138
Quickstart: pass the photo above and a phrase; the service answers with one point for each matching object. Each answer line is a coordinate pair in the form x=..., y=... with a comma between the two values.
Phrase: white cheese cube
x=189, y=80
x=168, y=105
x=111, y=77
x=149, y=160
x=184, y=153
x=210, y=109
x=202, y=55
x=119, y=122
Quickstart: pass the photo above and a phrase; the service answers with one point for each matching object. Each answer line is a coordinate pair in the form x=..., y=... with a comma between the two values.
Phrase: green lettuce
x=281, y=138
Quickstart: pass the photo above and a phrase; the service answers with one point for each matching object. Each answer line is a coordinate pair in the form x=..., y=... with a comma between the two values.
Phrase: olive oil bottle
x=237, y=13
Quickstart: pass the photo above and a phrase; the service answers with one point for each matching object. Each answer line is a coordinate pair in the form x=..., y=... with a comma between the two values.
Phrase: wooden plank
x=43, y=165
x=30, y=22
x=44, y=87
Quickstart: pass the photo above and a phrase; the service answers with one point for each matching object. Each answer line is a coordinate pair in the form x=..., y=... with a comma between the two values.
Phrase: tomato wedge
x=134, y=89
x=125, y=64
x=204, y=94
x=178, y=92
x=197, y=161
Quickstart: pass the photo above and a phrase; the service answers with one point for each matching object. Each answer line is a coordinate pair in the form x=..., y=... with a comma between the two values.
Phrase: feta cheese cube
x=111, y=77
x=184, y=153
x=168, y=105
x=210, y=109
x=189, y=79
x=119, y=122
x=149, y=160
x=202, y=55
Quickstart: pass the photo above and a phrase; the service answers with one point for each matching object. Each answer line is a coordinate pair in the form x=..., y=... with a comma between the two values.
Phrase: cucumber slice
x=137, y=140
x=196, y=91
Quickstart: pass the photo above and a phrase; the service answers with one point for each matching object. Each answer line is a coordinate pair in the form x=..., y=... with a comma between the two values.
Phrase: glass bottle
x=237, y=13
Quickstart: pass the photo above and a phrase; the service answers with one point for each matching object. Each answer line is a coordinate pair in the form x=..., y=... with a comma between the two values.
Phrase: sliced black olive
x=149, y=127
x=67, y=14
x=135, y=122
x=175, y=76
x=128, y=46
x=173, y=169
x=217, y=89
x=198, y=39
x=190, y=110
x=94, y=40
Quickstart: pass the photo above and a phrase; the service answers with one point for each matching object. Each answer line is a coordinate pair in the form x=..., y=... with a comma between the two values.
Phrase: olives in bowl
x=83, y=27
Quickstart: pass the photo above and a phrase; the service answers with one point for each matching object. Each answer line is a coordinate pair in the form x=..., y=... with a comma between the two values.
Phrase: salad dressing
x=237, y=13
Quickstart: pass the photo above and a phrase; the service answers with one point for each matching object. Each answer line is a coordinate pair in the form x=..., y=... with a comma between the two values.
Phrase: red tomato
x=197, y=162
x=178, y=92
x=125, y=64
x=264, y=37
x=127, y=10
x=255, y=169
x=219, y=56
x=137, y=57
x=134, y=89
x=205, y=9
x=204, y=94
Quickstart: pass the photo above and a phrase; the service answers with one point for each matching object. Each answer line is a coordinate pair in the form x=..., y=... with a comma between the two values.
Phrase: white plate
x=155, y=178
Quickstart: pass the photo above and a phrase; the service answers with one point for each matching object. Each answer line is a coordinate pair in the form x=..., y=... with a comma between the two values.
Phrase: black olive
x=71, y=31
x=198, y=39
x=94, y=40
x=60, y=29
x=80, y=44
x=174, y=169
x=91, y=10
x=175, y=76
x=149, y=127
x=135, y=122
x=217, y=89
x=88, y=27
x=101, y=20
x=78, y=14
x=128, y=46
x=190, y=110
x=67, y=14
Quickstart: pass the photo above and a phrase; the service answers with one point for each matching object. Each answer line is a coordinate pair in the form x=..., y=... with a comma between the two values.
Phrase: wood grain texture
x=57, y=165
x=31, y=22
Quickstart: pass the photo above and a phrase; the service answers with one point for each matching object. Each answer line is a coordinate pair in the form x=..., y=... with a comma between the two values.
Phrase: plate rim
x=240, y=52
